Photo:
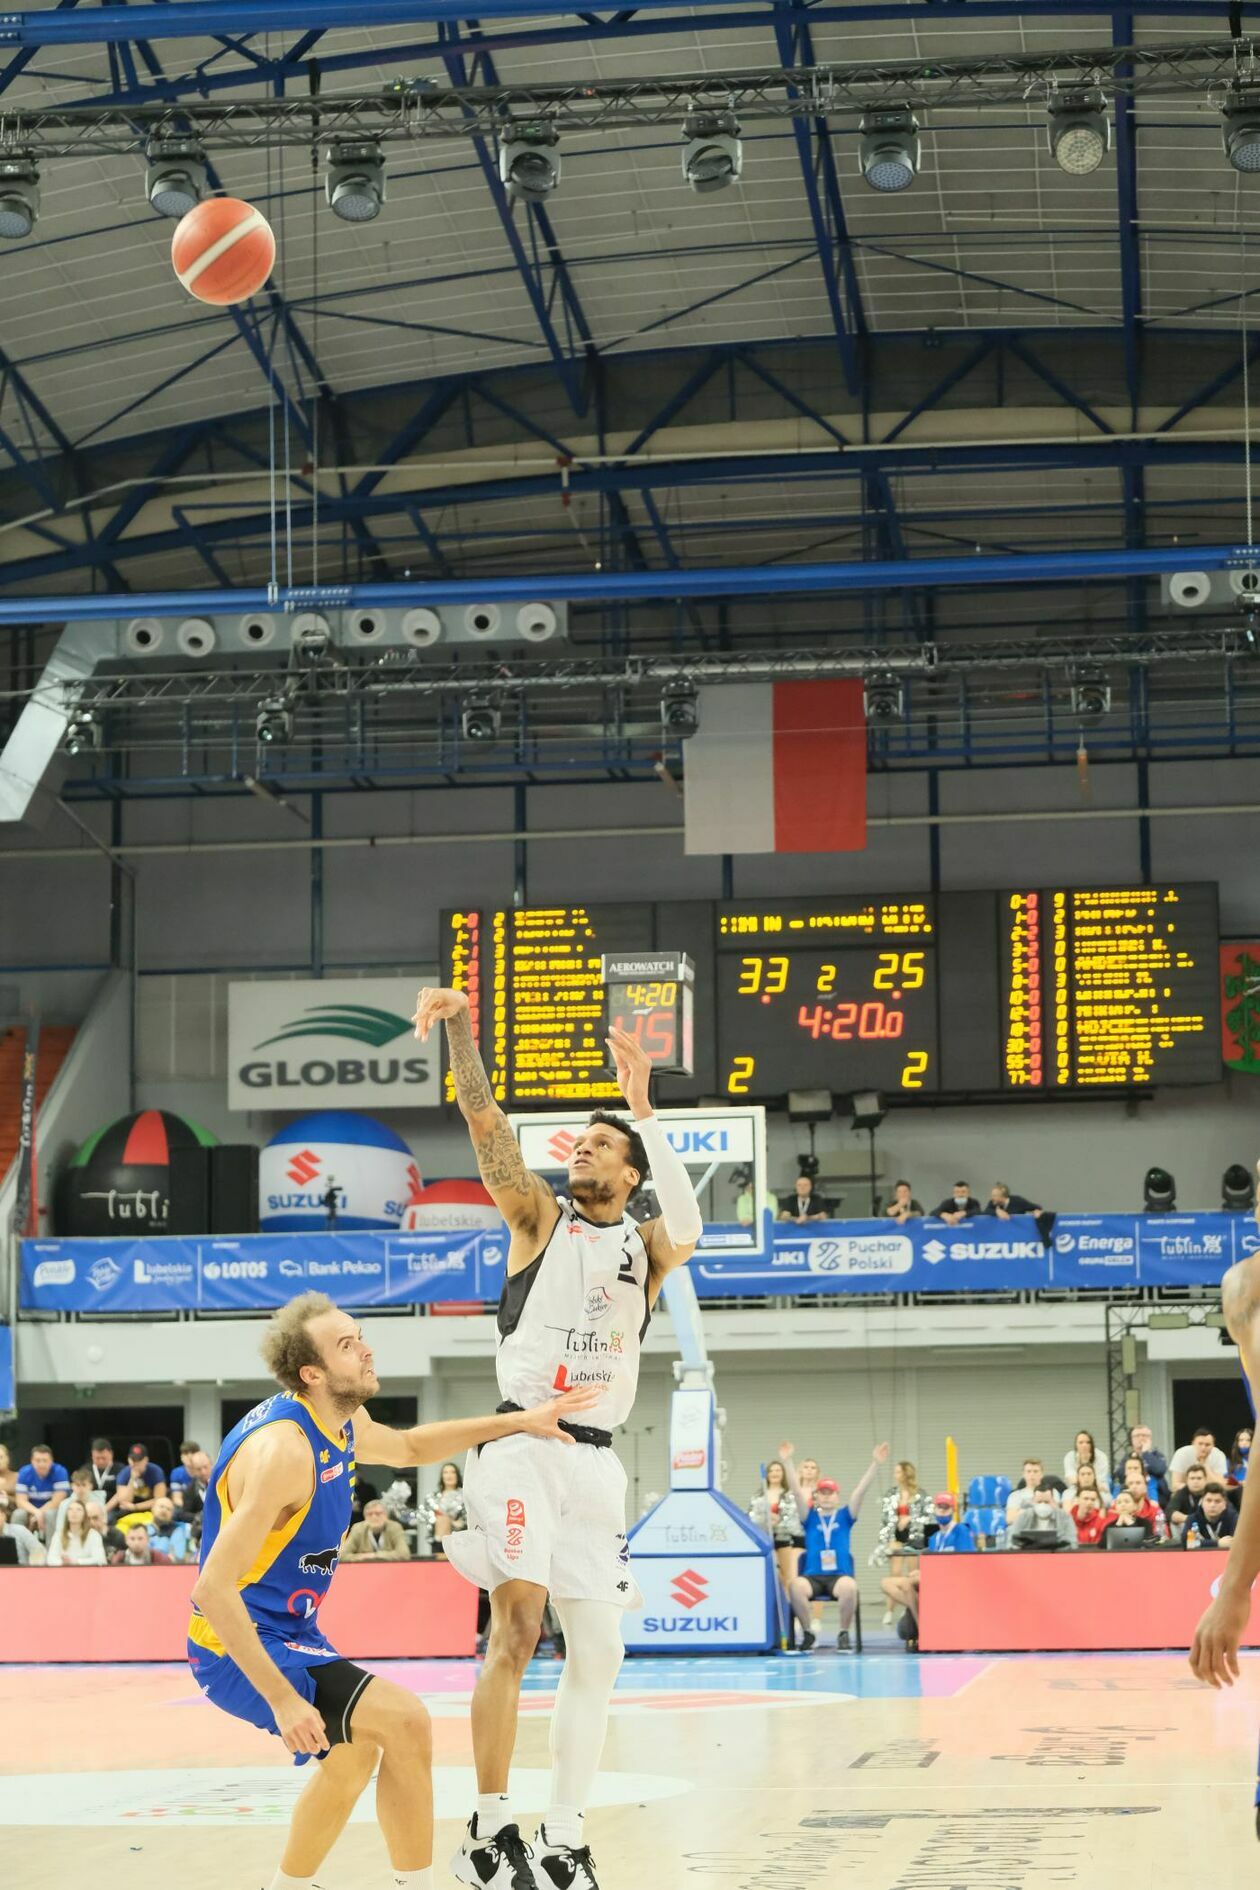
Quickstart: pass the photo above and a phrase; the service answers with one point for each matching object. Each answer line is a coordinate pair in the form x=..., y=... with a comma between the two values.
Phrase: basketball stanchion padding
x=223, y=251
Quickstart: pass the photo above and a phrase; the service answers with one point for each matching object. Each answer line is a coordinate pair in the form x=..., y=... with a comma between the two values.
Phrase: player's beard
x=348, y=1390
x=590, y=1192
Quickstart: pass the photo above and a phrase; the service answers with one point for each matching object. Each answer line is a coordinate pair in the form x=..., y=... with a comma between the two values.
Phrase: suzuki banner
x=332, y=1043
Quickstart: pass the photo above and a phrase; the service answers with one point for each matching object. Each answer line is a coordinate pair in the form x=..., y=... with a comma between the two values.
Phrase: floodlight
x=274, y=726
x=884, y=698
x=19, y=194
x=680, y=710
x=1159, y=1192
x=83, y=733
x=1240, y=131
x=529, y=163
x=867, y=1107
x=176, y=178
x=713, y=155
x=480, y=719
x=1091, y=696
x=890, y=152
x=1238, y=1190
x=1078, y=131
x=354, y=179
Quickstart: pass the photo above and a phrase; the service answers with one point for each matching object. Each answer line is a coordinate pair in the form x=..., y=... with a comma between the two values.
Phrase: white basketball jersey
x=577, y=1316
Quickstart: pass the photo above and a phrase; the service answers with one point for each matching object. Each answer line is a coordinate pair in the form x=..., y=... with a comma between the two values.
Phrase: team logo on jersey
x=514, y=1546
x=324, y=1456
x=598, y=1302
x=623, y=1552
x=321, y=1563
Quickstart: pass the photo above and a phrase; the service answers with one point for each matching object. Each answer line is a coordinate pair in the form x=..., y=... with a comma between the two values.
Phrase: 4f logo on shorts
x=514, y=1546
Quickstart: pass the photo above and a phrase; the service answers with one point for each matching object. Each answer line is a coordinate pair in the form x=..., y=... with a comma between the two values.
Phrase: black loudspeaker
x=189, y=1183
x=234, y=1188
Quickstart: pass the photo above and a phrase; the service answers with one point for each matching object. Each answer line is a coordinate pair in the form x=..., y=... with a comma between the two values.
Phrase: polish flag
x=777, y=768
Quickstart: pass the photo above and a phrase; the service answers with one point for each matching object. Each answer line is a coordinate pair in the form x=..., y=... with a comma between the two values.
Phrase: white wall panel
x=1041, y=853
x=629, y=867
x=1225, y=847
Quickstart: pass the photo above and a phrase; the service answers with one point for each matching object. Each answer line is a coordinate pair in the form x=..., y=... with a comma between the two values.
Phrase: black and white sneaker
x=564, y=1868
x=498, y=1862
x=808, y=1638
x=843, y=1643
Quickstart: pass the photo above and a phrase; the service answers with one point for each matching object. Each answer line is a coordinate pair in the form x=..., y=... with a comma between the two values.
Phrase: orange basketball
x=223, y=250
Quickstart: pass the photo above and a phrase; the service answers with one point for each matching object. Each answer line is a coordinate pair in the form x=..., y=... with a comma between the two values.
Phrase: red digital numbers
x=654, y=1030
x=847, y=1021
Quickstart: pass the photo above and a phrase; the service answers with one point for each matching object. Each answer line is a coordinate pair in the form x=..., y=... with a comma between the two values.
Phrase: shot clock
x=652, y=996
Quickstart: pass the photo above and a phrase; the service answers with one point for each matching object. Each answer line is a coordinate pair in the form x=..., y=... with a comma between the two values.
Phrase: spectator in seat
x=104, y=1469
x=903, y=1206
x=1154, y=1462
x=1135, y=1483
x=139, y=1552
x=1042, y=1518
x=946, y=1536
x=8, y=1475
x=75, y=1544
x=1024, y=1494
x=168, y=1531
x=959, y=1206
x=1239, y=1454
x=182, y=1474
x=827, y=1565
x=42, y=1487
x=1087, y=1514
x=1124, y=1516
x=190, y=1498
x=1201, y=1449
x=139, y=1482
x=378, y=1538
x=1187, y=1499
x=1001, y=1203
x=773, y=1509
x=1214, y=1522
x=904, y=1519
x=1086, y=1481
x=1084, y=1450
x=13, y=1521
x=81, y=1485
x=112, y=1539
x=805, y=1203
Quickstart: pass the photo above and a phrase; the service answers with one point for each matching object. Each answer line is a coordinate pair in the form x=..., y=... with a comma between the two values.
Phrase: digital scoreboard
x=1033, y=990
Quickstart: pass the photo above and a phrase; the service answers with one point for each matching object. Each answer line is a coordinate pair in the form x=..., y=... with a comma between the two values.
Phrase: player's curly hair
x=638, y=1154
x=287, y=1344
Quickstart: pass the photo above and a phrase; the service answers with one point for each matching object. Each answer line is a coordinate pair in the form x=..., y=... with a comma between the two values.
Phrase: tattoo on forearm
x=472, y=1085
x=500, y=1160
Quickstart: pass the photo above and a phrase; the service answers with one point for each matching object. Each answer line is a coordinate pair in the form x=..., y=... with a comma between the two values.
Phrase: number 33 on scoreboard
x=915, y=1070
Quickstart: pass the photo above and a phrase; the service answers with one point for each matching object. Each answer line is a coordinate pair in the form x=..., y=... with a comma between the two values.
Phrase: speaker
x=234, y=1188
x=189, y=1191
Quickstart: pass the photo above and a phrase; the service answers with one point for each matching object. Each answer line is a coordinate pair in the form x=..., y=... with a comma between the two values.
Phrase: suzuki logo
x=303, y=1168
x=689, y=1589
x=562, y=1144
x=934, y=1251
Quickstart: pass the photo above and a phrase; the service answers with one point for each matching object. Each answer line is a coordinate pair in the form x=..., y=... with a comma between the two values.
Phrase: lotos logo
x=303, y=1168
x=562, y=1144
x=55, y=1273
x=361, y=1023
x=514, y=1545
x=689, y=1588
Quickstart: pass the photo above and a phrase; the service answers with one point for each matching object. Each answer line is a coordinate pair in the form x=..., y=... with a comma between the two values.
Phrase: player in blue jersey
x=275, y=1514
x=1214, y=1655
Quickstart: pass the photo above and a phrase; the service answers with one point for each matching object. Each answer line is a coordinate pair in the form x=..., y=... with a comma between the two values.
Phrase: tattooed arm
x=522, y=1198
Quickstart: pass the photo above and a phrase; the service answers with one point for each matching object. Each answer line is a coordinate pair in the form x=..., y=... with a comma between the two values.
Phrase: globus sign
x=344, y=1041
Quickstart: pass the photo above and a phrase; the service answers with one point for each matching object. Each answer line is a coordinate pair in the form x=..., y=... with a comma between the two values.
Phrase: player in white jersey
x=582, y=1279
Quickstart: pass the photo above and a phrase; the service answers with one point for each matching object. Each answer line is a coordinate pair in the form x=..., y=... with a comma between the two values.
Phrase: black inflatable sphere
x=119, y=1181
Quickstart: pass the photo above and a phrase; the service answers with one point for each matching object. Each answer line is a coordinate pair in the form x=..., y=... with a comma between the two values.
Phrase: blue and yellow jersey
x=288, y=1581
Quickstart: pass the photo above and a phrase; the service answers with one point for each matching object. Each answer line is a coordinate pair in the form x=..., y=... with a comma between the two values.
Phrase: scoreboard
x=1050, y=990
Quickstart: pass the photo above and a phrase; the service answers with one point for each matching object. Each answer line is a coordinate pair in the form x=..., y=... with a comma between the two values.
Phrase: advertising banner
x=329, y=1043
x=8, y=1381
x=707, y=1578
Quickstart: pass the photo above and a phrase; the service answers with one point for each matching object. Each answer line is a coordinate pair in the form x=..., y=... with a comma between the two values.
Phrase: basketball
x=223, y=250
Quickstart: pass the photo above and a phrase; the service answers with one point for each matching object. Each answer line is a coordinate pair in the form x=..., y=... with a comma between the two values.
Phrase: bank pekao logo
x=934, y=1251
x=360, y=1023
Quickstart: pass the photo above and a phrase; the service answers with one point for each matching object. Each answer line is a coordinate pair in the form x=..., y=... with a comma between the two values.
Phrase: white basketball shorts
x=543, y=1511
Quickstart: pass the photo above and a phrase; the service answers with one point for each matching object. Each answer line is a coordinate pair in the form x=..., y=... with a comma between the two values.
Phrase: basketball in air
x=223, y=251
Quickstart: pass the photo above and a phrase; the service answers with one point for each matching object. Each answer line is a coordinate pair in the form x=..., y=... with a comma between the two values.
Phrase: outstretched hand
x=543, y=1420
x=881, y=1453
x=634, y=1069
x=432, y=1006
x=787, y=1452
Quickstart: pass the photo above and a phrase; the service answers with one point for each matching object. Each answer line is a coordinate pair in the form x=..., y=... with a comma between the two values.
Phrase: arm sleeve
x=680, y=1211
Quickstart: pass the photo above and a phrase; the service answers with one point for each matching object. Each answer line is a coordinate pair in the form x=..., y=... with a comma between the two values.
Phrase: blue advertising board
x=252, y=1272
x=8, y=1385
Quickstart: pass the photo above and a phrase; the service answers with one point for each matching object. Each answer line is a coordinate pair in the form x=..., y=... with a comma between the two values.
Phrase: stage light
x=529, y=163
x=312, y=637
x=1238, y=1190
x=867, y=1107
x=713, y=155
x=884, y=699
x=19, y=194
x=680, y=710
x=1079, y=132
x=1159, y=1192
x=354, y=180
x=890, y=152
x=1240, y=132
x=274, y=726
x=176, y=178
x=1091, y=696
x=83, y=733
x=480, y=719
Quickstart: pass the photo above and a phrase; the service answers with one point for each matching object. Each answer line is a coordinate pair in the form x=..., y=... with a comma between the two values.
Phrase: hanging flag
x=777, y=768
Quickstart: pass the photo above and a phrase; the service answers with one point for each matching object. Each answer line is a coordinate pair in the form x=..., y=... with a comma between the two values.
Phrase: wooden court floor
x=888, y=1772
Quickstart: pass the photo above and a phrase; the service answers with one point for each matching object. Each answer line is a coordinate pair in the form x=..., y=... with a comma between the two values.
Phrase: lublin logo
x=303, y=1168
x=689, y=1588
x=360, y=1023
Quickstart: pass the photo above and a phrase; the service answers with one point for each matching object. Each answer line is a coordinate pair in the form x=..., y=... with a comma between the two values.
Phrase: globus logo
x=359, y=1023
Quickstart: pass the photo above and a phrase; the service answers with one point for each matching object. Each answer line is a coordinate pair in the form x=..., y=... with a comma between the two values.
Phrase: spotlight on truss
x=713, y=155
x=1091, y=695
x=84, y=733
x=274, y=726
x=480, y=719
x=1240, y=131
x=890, y=152
x=680, y=709
x=354, y=179
x=175, y=178
x=1079, y=132
x=529, y=163
x=884, y=698
x=19, y=194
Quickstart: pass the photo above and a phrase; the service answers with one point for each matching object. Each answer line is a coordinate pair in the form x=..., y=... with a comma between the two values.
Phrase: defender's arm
x=436, y=1443
x=1214, y=1655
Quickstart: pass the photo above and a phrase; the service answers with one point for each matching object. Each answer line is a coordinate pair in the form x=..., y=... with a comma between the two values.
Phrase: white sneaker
x=561, y=1867
x=498, y=1862
x=888, y=1617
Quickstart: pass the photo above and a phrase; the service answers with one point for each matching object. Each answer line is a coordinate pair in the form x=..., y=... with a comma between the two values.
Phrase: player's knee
x=411, y=1730
x=514, y=1637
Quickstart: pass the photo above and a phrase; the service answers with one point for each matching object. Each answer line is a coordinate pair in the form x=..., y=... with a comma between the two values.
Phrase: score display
x=967, y=993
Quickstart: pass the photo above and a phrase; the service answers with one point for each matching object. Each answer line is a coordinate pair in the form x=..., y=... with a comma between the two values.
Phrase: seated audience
x=182, y=1474
x=1214, y=1523
x=903, y=1206
x=1042, y=1520
x=959, y=1206
x=81, y=1485
x=1201, y=1449
x=949, y=1536
x=139, y=1552
x=1239, y=1453
x=827, y=1564
x=1086, y=1479
x=1135, y=1483
x=42, y=1487
x=1187, y=1498
x=805, y=1203
x=1024, y=1493
x=1124, y=1517
x=1087, y=1513
x=169, y=1531
x=75, y=1544
x=103, y=1468
x=139, y=1482
x=190, y=1498
x=1084, y=1450
x=112, y=1539
x=1001, y=1203
x=8, y=1475
x=13, y=1523
x=905, y=1516
x=1154, y=1463
x=378, y=1538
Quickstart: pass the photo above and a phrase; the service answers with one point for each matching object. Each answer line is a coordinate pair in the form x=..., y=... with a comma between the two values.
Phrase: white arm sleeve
x=680, y=1211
